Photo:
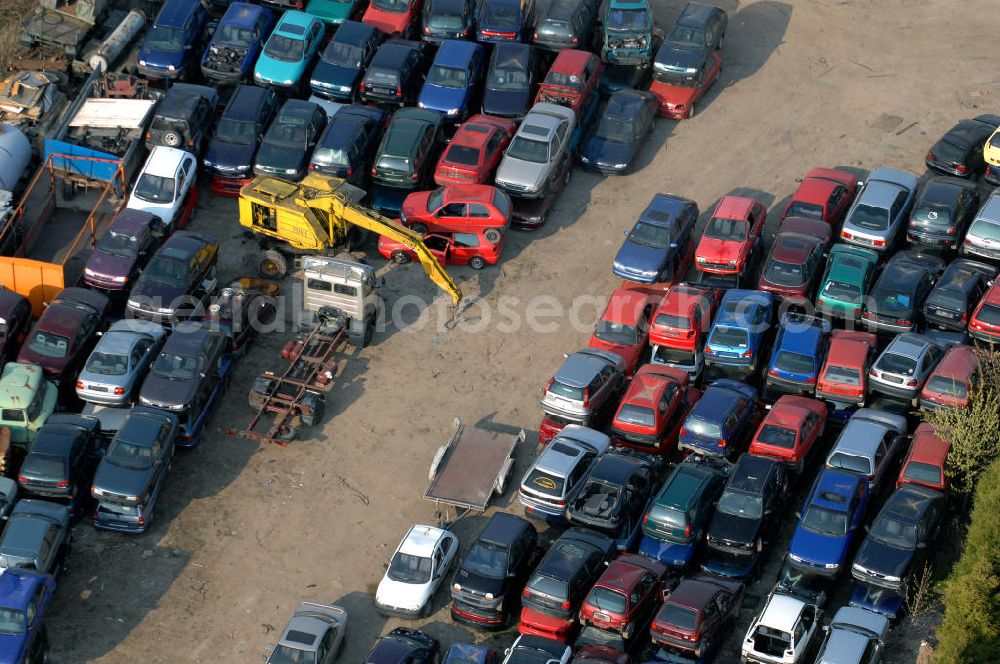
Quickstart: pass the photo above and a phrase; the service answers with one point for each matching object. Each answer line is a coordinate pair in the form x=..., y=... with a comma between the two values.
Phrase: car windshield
x=897, y=364
x=650, y=235
x=785, y=274
x=892, y=302
x=947, y=299
x=177, y=367
x=233, y=35
x=856, y=464
x=11, y=621
x=950, y=386
x=392, y=6
x=628, y=20
x=167, y=271
x=503, y=15
x=236, y=132
x=43, y=466
x=616, y=129
x=617, y=333
x=107, y=364
x=796, y=363
x=989, y=314
x=155, y=188
x=674, y=322
x=165, y=39
x=700, y=427
x=508, y=78
x=729, y=336
x=843, y=291
x=345, y=55
x=777, y=436
x=526, y=149
x=285, y=48
x=926, y=473
x=486, y=560
x=630, y=413
x=805, y=210
x=607, y=600
x=870, y=218
x=731, y=230
x=986, y=230
x=843, y=375
x=684, y=36
x=448, y=77
x=825, y=521
x=407, y=568
x=48, y=344
x=740, y=503
x=894, y=533
x=118, y=244
x=677, y=616
x=129, y=455
x=462, y=154
x=288, y=655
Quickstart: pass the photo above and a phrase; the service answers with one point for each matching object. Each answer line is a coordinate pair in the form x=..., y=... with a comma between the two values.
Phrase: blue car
x=722, y=421
x=798, y=354
x=344, y=61
x=24, y=599
x=512, y=80
x=168, y=49
x=348, y=144
x=453, y=81
x=652, y=249
x=829, y=523
x=236, y=43
x=289, y=51
x=736, y=340
x=626, y=123
x=505, y=21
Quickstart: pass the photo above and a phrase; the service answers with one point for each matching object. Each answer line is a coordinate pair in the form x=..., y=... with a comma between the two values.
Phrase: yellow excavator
x=322, y=215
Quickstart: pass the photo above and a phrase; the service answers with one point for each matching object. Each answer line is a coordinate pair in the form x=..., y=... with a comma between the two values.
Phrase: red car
x=791, y=430
x=796, y=259
x=844, y=375
x=458, y=208
x=824, y=194
x=949, y=383
x=474, y=151
x=924, y=463
x=626, y=596
x=678, y=92
x=653, y=408
x=572, y=77
x=731, y=236
x=624, y=326
x=396, y=18
x=696, y=614
x=984, y=325
x=470, y=249
x=682, y=321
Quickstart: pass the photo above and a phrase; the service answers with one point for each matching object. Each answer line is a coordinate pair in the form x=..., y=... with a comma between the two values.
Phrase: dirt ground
x=246, y=532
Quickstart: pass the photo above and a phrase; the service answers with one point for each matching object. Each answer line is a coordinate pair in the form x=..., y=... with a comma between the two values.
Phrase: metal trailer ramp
x=467, y=470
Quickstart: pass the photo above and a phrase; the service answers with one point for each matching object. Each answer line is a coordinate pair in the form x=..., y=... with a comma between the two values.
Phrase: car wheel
x=273, y=265
x=492, y=235
x=400, y=257
x=691, y=111
x=420, y=229
x=172, y=139
x=369, y=333
x=477, y=263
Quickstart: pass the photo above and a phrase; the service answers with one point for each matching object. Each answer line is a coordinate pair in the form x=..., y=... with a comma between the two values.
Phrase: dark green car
x=848, y=279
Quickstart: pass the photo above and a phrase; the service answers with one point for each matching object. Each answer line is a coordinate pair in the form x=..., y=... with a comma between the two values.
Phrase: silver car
x=881, y=211
x=558, y=468
x=586, y=384
x=983, y=236
x=869, y=445
x=118, y=363
x=539, y=153
x=314, y=634
x=904, y=366
x=856, y=636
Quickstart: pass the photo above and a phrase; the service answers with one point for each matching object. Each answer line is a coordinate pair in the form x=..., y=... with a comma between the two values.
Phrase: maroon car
x=796, y=259
x=15, y=319
x=600, y=654
x=693, y=618
x=66, y=332
x=123, y=250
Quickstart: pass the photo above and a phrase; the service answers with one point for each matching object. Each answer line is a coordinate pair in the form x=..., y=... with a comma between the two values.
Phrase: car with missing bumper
x=557, y=471
x=571, y=81
x=628, y=32
x=314, y=634
x=786, y=630
x=236, y=43
x=880, y=212
x=178, y=280
x=539, y=154
x=501, y=21
x=115, y=368
x=680, y=327
x=415, y=571
x=869, y=445
x=824, y=194
x=905, y=365
x=653, y=408
x=791, y=432
x=848, y=278
x=626, y=122
x=123, y=251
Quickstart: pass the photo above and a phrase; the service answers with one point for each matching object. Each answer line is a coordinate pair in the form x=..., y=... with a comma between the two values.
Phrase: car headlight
x=621, y=167
x=457, y=587
x=207, y=164
x=892, y=579
x=291, y=171
x=165, y=310
x=345, y=88
x=421, y=104
x=130, y=499
x=831, y=565
x=119, y=280
x=142, y=63
x=135, y=304
x=87, y=271
x=488, y=597
x=732, y=263
x=796, y=558
x=702, y=260
x=585, y=159
x=257, y=76
x=287, y=82
x=171, y=68
x=94, y=491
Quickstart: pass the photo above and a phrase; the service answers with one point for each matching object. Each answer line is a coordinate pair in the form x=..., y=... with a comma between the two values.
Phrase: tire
x=691, y=111
x=420, y=229
x=369, y=334
x=477, y=263
x=401, y=257
x=172, y=139
x=492, y=235
x=273, y=265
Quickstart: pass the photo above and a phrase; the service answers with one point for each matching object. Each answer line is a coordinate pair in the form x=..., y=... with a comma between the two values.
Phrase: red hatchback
x=824, y=194
x=678, y=92
x=474, y=151
x=396, y=18
x=684, y=317
x=985, y=322
x=796, y=259
x=731, y=236
x=844, y=375
x=470, y=249
x=572, y=77
x=653, y=408
x=949, y=384
x=626, y=596
x=623, y=328
x=458, y=208
x=696, y=614
x=791, y=431
x=924, y=463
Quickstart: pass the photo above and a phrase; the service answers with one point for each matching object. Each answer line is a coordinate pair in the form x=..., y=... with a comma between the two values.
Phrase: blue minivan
x=169, y=48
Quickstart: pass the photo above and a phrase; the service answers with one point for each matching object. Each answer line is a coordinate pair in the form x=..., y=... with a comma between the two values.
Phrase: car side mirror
x=625, y=233
x=798, y=515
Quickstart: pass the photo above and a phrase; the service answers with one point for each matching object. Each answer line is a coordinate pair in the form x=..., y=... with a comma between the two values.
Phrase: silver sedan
x=117, y=365
x=880, y=212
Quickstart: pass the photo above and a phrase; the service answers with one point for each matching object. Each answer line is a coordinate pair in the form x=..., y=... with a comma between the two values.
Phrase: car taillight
x=950, y=229
x=142, y=520
x=575, y=41
x=399, y=91
x=708, y=349
x=119, y=391
x=526, y=593
x=148, y=135
x=878, y=243
x=79, y=384
x=549, y=384
x=873, y=373
x=586, y=397
x=966, y=241
x=373, y=170
x=773, y=372
x=684, y=431
x=930, y=156
x=312, y=167
x=902, y=321
x=645, y=518
x=965, y=317
x=962, y=168
x=62, y=484
x=687, y=530
x=22, y=479
x=911, y=383
x=190, y=143
x=846, y=235
x=869, y=315
x=722, y=442
x=427, y=30
x=361, y=87
x=810, y=381
x=565, y=605
x=536, y=35
x=748, y=353
x=350, y=171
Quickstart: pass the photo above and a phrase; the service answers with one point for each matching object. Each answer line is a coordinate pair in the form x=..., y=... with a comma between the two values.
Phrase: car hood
x=110, y=265
x=633, y=257
x=733, y=528
x=415, y=204
x=818, y=548
x=151, y=295
x=278, y=70
x=668, y=553
x=160, y=58
x=161, y=210
x=679, y=58
x=387, y=23
x=887, y=560
x=230, y=155
x=52, y=366
x=326, y=72
x=438, y=98
x=481, y=584
x=410, y=596
x=719, y=251
x=121, y=481
x=522, y=172
x=158, y=391
x=506, y=103
x=600, y=151
x=12, y=648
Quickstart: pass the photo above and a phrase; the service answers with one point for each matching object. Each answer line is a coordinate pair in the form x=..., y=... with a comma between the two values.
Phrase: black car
x=405, y=646
x=183, y=118
x=896, y=302
x=960, y=151
x=344, y=60
x=486, y=589
x=566, y=24
x=897, y=545
x=512, y=80
x=396, y=73
x=505, y=20
x=700, y=29
x=62, y=459
x=36, y=537
x=957, y=293
x=627, y=121
x=747, y=517
x=613, y=495
x=942, y=212
x=178, y=279
x=133, y=470
x=447, y=19
x=347, y=147
x=615, y=77
x=230, y=154
x=564, y=576
x=409, y=149
x=290, y=140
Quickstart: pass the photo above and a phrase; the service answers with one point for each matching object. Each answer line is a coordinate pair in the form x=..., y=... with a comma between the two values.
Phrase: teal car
x=288, y=51
x=333, y=12
x=848, y=279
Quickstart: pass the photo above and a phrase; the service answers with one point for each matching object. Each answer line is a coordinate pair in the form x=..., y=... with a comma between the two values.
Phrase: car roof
x=182, y=99
x=860, y=438
x=625, y=571
x=958, y=362
x=830, y=483
x=294, y=18
x=55, y=440
x=421, y=540
x=245, y=104
x=966, y=132
x=570, y=60
x=142, y=427
x=538, y=125
x=693, y=594
x=567, y=553
x=579, y=369
x=175, y=12
x=793, y=247
x=844, y=646
x=353, y=32
x=815, y=189
x=625, y=305
x=456, y=53
x=684, y=486
x=927, y=446
x=847, y=352
x=734, y=207
x=909, y=345
x=663, y=209
x=908, y=503
x=648, y=385
x=503, y=528
x=132, y=222
x=18, y=586
x=851, y=615
x=625, y=103
x=119, y=342
x=303, y=632
x=163, y=161
x=616, y=468
x=393, y=53
x=18, y=383
x=782, y=611
x=962, y=273
x=482, y=193
x=942, y=191
x=750, y=473
x=242, y=14
x=880, y=194
x=680, y=300
x=560, y=457
x=759, y=298
x=789, y=411
x=801, y=339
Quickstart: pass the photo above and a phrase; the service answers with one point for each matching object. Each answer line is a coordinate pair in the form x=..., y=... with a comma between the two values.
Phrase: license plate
x=602, y=617
x=892, y=379
x=98, y=388
x=943, y=313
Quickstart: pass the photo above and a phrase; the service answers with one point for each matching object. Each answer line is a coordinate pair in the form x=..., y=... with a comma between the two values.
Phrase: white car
x=166, y=187
x=784, y=632
x=416, y=570
x=531, y=648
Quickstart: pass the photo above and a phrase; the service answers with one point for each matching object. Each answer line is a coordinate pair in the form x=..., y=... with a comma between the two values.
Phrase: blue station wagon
x=722, y=421
x=736, y=340
x=168, y=50
x=651, y=250
x=453, y=82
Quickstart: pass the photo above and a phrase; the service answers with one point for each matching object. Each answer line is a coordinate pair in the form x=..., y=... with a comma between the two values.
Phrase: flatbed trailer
x=468, y=469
